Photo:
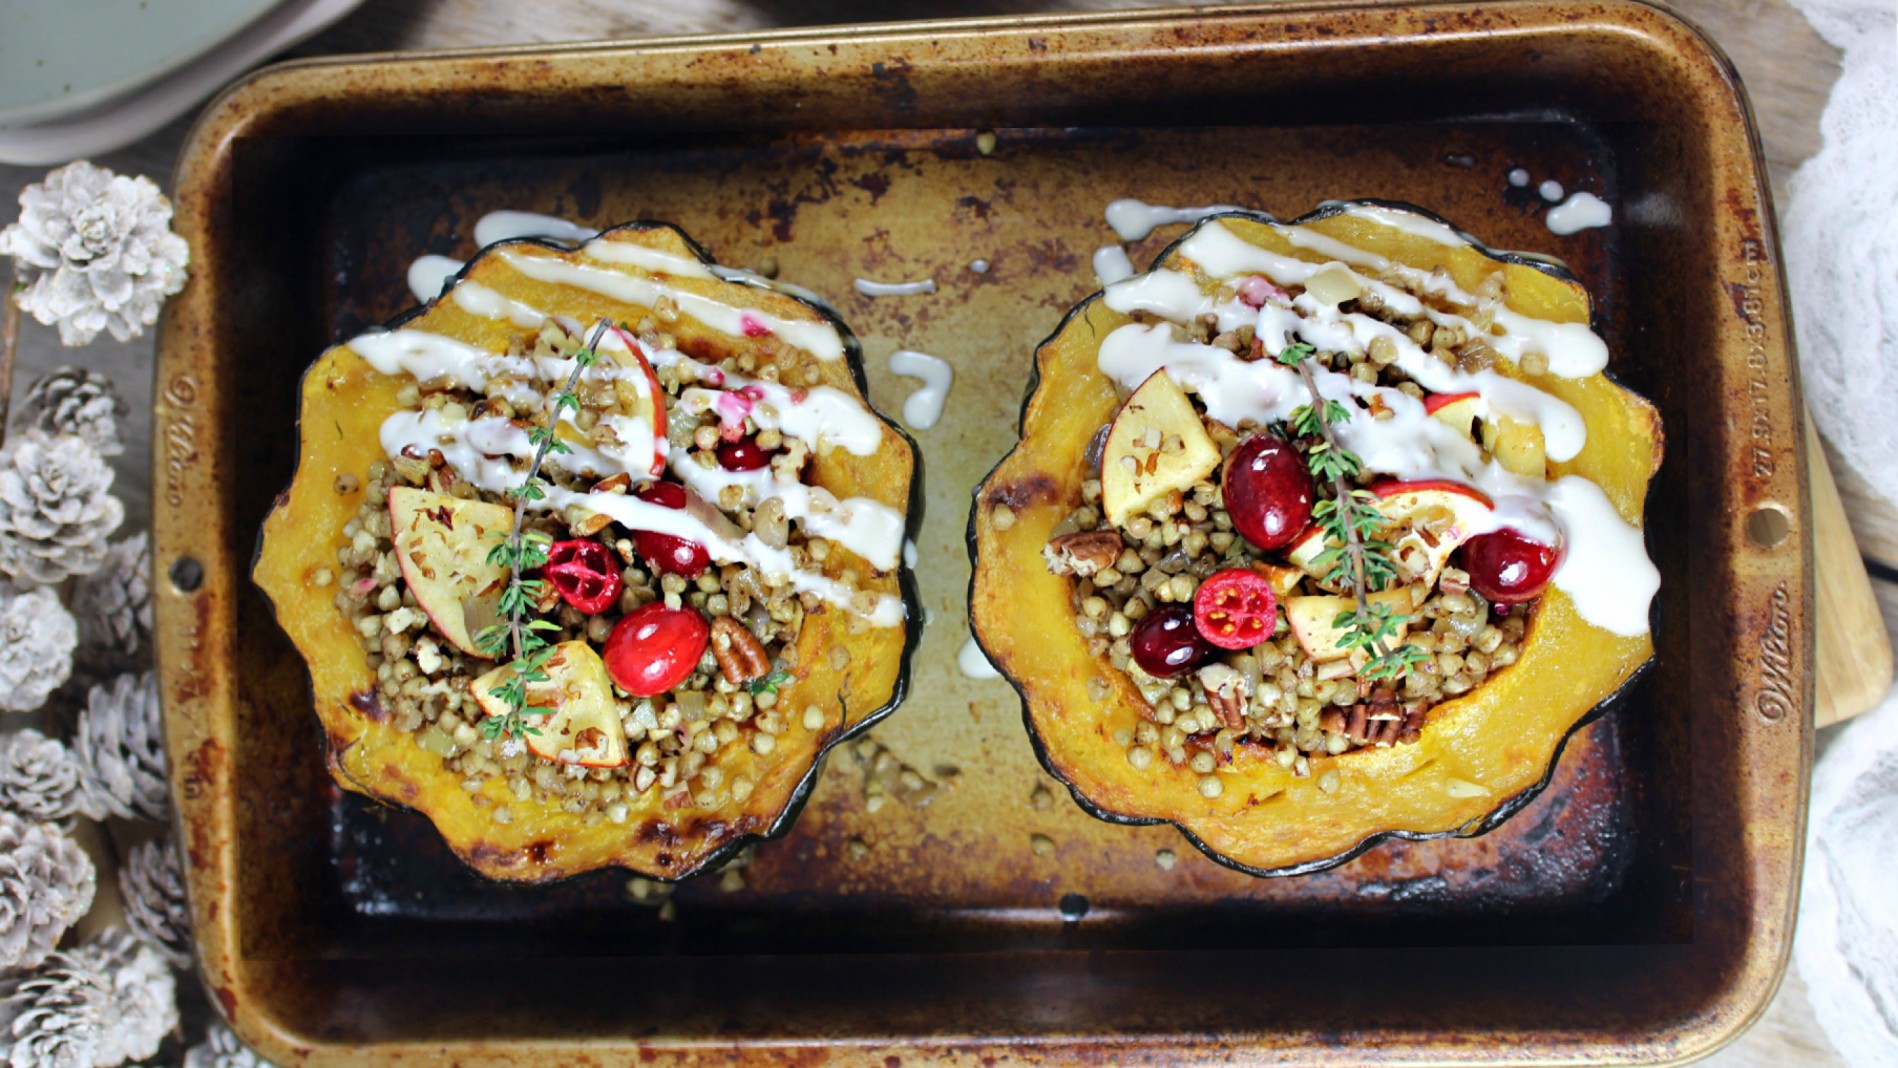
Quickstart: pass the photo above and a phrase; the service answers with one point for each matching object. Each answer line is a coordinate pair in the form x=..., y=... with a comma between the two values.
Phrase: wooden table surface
x=1787, y=68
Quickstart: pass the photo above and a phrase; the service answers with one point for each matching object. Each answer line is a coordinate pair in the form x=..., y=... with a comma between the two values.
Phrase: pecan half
x=1083, y=554
x=741, y=657
x=1226, y=694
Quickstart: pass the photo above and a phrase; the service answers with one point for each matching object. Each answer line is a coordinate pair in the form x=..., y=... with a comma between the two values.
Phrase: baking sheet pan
x=1637, y=910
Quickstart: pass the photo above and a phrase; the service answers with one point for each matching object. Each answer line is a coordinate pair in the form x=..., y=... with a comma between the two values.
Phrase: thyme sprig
x=522, y=551
x=1354, y=557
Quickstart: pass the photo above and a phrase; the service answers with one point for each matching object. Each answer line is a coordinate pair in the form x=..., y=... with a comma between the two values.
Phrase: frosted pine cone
x=222, y=1048
x=114, y=603
x=56, y=508
x=37, y=637
x=96, y=251
x=56, y=1016
x=71, y=400
x=152, y=882
x=144, y=995
x=46, y=885
x=39, y=778
x=121, y=748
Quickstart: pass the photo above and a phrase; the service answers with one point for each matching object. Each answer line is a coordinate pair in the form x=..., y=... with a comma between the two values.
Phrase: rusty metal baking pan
x=1638, y=911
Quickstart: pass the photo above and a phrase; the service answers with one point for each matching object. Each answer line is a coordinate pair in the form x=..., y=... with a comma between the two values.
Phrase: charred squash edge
x=1510, y=805
x=906, y=578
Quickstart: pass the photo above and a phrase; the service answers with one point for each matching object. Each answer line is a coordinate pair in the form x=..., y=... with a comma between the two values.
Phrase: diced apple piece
x=442, y=545
x=1157, y=444
x=574, y=712
x=1517, y=446
x=1460, y=411
x=1282, y=579
x=1304, y=552
x=1314, y=621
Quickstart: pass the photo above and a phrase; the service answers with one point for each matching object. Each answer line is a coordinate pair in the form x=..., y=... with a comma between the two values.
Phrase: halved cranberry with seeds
x=1235, y=608
x=584, y=573
x=669, y=553
x=1167, y=645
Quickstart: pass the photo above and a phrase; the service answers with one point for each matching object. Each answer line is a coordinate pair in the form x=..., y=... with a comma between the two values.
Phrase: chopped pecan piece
x=741, y=657
x=1226, y=694
x=1082, y=554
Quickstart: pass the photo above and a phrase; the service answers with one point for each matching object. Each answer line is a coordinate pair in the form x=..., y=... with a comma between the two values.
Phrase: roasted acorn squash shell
x=344, y=401
x=1481, y=758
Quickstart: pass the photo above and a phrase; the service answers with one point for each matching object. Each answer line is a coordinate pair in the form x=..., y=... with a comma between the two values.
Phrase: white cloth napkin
x=1841, y=247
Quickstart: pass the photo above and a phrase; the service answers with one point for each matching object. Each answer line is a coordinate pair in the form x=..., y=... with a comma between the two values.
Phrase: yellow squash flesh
x=1480, y=756
x=344, y=402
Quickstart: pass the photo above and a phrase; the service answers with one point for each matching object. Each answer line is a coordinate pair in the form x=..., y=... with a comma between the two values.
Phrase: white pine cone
x=37, y=638
x=39, y=778
x=56, y=1016
x=96, y=251
x=121, y=748
x=114, y=603
x=144, y=995
x=152, y=882
x=46, y=885
x=222, y=1048
x=56, y=508
x=72, y=400
x=106, y=1002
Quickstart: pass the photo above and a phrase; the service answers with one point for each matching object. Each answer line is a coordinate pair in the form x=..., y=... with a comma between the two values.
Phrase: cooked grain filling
x=675, y=741
x=1297, y=709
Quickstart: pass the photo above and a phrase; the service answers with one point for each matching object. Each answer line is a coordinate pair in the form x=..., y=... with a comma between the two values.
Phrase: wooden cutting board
x=1854, y=666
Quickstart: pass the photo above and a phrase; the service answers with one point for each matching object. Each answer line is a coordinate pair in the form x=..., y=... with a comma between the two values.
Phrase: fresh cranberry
x=668, y=552
x=1167, y=645
x=1268, y=491
x=585, y=574
x=743, y=455
x=1507, y=567
x=655, y=648
x=1235, y=608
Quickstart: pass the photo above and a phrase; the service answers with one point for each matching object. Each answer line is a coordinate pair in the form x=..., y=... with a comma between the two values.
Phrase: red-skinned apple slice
x=640, y=395
x=1436, y=402
x=573, y=712
x=442, y=545
x=1429, y=517
x=1459, y=411
x=1157, y=444
x=1435, y=516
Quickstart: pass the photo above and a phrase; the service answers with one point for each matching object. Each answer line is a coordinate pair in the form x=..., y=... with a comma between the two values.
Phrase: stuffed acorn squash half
x=629, y=639
x=1318, y=533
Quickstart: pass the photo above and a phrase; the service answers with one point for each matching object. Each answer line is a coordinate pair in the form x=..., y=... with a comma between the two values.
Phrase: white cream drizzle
x=819, y=339
x=894, y=289
x=1572, y=349
x=1581, y=211
x=510, y=225
x=479, y=450
x=1519, y=177
x=1605, y=571
x=1133, y=220
x=657, y=261
x=476, y=299
x=922, y=408
x=428, y=274
x=1550, y=190
x=972, y=662
x=1112, y=264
